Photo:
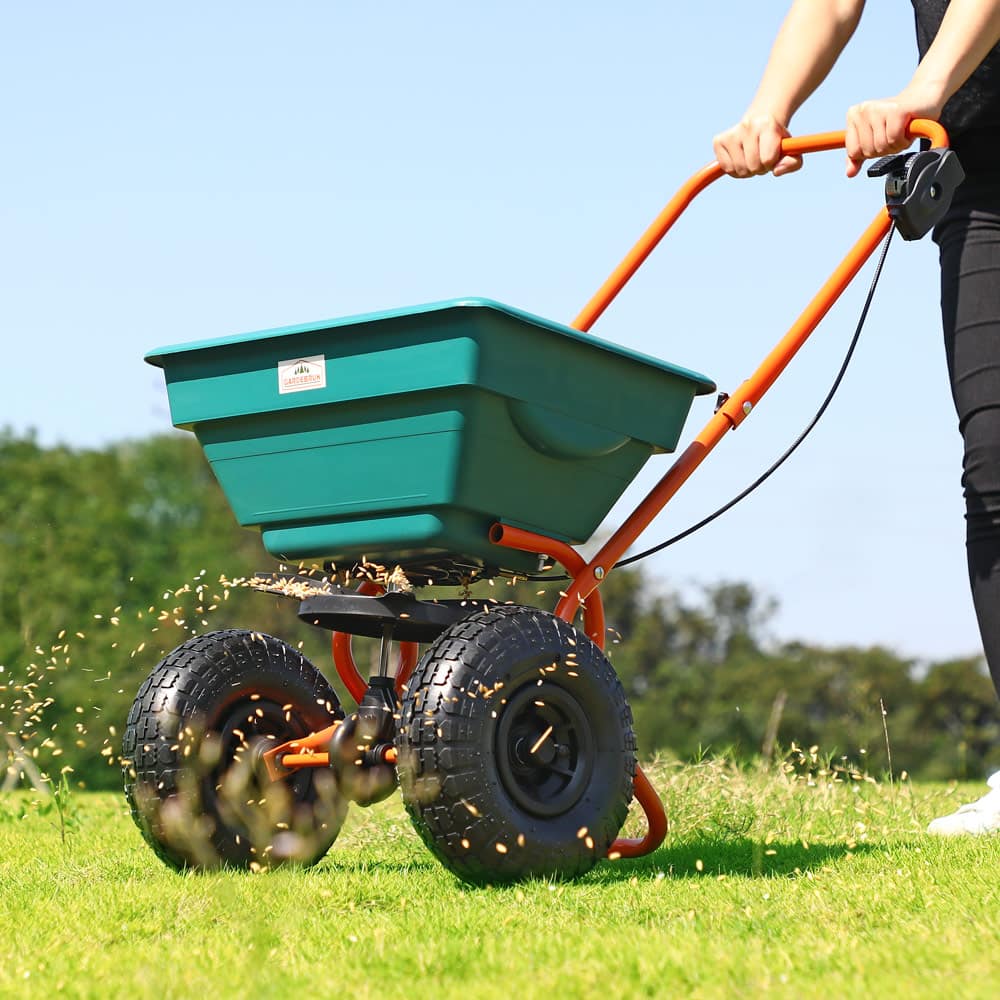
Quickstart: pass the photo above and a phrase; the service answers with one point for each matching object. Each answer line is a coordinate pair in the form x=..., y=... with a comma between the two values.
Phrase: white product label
x=302, y=373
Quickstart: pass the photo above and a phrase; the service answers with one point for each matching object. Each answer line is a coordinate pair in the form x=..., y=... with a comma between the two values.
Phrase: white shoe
x=976, y=818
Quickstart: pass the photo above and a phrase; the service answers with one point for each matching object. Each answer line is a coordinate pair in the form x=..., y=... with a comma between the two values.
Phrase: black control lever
x=918, y=188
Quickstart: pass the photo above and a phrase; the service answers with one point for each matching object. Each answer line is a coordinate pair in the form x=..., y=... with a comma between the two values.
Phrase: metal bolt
x=598, y=572
x=747, y=407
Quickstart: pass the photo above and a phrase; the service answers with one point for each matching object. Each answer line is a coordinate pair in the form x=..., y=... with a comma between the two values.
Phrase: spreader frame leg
x=593, y=624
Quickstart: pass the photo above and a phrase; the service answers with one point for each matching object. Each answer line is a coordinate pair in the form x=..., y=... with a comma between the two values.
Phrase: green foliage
x=110, y=558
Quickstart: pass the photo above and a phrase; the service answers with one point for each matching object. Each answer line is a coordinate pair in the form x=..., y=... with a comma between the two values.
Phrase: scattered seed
x=541, y=739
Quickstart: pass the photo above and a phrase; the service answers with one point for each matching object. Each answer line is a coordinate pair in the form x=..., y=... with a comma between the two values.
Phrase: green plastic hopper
x=404, y=435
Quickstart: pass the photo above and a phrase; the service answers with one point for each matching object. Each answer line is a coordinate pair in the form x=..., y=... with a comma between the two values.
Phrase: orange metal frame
x=586, y=577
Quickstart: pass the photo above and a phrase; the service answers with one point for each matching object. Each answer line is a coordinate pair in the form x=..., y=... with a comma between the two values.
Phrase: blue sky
x=173, y=172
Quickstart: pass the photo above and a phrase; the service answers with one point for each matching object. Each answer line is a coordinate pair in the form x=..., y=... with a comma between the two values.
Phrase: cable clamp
x=735, y=411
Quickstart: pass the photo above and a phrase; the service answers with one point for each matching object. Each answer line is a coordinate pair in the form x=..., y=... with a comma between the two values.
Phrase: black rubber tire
x=190, y=755
x=492, y=797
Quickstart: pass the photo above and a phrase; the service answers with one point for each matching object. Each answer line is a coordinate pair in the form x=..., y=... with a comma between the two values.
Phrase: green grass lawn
x=767, y=884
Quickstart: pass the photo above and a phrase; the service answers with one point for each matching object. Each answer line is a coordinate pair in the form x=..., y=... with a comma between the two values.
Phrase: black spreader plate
x=412, y=620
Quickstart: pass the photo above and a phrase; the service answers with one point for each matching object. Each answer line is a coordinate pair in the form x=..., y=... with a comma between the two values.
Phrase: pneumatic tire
x=194, y=779
x=516, y=748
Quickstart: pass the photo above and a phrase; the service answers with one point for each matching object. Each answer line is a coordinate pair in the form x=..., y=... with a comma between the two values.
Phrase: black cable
x=788, y=452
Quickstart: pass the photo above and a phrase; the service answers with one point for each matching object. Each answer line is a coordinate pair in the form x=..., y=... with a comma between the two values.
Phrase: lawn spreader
x=440, y=444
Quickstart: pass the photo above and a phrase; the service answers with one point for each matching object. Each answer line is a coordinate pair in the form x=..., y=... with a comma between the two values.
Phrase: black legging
x=969, y=241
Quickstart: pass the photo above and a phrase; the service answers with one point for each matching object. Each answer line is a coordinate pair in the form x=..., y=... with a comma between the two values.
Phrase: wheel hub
x=544, y=749
x=541, y=751
x=246, y=730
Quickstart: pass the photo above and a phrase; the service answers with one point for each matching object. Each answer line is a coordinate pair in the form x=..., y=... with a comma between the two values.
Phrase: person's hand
x=753, y=147
x=878, y=128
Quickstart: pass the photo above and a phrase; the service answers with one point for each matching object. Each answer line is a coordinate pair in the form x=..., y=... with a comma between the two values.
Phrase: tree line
x=111, y=557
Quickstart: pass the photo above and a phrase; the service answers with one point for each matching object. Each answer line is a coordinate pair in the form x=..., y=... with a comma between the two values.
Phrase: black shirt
x=975, y=108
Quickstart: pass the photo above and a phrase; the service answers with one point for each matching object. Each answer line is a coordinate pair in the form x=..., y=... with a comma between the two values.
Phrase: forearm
x=969, y=30
x=808, y=44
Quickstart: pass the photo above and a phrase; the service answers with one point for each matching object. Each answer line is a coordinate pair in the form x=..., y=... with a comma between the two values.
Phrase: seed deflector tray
x=407, y=433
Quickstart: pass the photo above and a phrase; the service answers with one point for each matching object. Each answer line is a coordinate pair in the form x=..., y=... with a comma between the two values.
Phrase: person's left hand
x=878, y=128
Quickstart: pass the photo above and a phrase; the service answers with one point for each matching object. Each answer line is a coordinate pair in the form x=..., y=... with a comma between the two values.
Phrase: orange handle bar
x=919, y=127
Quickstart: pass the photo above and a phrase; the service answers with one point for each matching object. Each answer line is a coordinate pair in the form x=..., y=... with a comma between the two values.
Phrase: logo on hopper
x=299, y=374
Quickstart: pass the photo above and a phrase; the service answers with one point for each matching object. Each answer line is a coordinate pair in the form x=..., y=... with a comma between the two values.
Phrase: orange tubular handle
x=735, y=410
x=919, y=127
x=745, y=398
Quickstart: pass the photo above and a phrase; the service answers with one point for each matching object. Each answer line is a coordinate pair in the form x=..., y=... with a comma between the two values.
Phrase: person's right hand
x=753, y=146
